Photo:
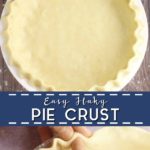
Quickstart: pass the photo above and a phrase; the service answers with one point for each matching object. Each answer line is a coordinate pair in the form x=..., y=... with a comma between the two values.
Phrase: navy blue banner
x=75, y=109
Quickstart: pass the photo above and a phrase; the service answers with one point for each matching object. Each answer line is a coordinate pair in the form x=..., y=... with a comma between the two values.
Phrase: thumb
x=64, y=133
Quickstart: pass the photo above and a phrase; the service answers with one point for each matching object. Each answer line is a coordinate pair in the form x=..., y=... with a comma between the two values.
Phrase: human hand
x=65, y=133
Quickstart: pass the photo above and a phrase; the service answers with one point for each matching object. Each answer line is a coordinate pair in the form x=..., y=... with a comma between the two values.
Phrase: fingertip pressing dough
x=109, y=138
x=70, y=44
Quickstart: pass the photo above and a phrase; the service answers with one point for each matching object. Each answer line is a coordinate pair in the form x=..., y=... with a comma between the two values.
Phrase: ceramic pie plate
x=114, y=82
x=107, y=135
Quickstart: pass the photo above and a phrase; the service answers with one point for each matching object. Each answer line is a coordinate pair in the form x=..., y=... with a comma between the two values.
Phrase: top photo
x=74, y=45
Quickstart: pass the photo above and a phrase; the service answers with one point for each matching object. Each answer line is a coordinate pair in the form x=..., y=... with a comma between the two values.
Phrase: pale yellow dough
x=70, y=44
x=110, y=138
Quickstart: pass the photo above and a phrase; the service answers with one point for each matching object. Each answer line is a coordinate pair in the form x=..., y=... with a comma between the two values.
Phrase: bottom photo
x=74, y=138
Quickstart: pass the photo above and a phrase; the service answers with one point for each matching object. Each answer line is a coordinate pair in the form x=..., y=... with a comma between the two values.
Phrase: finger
x=65, y=133
x=78, y=144
x=83, y=130
x=44, y=133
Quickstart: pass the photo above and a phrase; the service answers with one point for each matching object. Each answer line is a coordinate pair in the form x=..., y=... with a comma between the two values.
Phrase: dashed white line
x=101, y=123
x=24, y=123
x=50, y=123
x=63, y=123
x=86, y=94
x=113, y=123
x=50, y=94
x=63, y=94
x=126, y=123
x=113, y=94
x=75, y=94
x=37, y=94
x=100, y=94
x=88, y=123
x=24, y=94
x=11, y=94
x=75, y=123
x=139, y=94
x=138, y=123
x=36, y=123
x=12, y=123
x=126, y=94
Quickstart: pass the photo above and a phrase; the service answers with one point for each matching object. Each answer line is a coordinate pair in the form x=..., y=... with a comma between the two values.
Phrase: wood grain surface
x=141, y=81
x=27, y=138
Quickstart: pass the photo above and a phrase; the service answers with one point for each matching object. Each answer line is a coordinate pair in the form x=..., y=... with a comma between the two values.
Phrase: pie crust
x=114, y=138
x=74, y=45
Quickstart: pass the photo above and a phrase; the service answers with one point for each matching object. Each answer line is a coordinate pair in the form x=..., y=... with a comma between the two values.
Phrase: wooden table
x=26, y=138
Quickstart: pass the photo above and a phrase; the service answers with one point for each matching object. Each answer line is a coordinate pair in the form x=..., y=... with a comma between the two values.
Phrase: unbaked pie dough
x=74, y=44
x=110, y=138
